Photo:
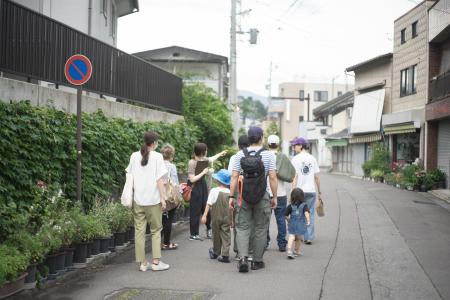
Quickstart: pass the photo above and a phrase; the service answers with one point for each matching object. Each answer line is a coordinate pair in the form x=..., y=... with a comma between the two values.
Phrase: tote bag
x=127, y=194
x=320, y=209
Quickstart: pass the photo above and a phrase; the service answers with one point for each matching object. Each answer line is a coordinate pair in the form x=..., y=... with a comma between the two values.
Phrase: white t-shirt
x=281, y=188
x=144, y=177
x=306, y=167
x=214, y=194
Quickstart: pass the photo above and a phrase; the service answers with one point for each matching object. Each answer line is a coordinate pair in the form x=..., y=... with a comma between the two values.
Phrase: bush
x=13, y=263
x=377, y=174
x=380, y=160
x=433, y=177
x=409, y=175
x=38, y=145
x=28, y=243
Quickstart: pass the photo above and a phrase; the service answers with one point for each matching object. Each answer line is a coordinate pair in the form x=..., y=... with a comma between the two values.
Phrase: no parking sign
x=78, y=69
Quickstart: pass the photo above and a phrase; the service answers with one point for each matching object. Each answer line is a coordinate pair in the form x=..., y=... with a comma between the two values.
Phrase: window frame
x=408, y=81
x=403, y=36
x=301, y=94
x=414, y=32
x=318, y=96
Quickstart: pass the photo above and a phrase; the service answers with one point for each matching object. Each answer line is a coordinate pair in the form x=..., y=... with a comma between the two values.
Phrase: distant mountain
x=245, y=94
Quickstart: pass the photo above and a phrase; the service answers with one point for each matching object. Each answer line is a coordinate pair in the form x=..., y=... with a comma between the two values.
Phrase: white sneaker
x=144, y=267
x=160, y=267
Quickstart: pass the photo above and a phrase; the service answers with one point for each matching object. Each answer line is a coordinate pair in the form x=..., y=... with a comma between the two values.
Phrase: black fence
x=440, y=86
x=35, y=46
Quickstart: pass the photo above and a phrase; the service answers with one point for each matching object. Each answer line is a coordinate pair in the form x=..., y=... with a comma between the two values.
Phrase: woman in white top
x=148, y=170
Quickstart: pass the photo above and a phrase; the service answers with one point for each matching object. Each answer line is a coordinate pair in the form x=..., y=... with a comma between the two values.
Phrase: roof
x=336, y=105
x=378, y=59
x=177, y=53
x=412, y=9
x=343, y=134
x=126, y=7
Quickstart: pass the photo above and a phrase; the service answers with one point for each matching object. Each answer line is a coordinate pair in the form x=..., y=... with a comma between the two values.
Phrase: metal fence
x=440, y=86
x=35, y=46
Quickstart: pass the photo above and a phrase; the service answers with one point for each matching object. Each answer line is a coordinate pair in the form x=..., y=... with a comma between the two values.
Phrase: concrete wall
x=439, y=18
x=42, y=96
x=413, y=51
x=76, y=14
x=372, y=75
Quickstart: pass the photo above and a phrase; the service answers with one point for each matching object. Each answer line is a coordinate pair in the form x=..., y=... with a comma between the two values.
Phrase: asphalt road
x=375, y=242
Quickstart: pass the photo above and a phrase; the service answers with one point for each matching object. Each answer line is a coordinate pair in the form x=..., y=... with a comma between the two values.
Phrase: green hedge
x=38, y=143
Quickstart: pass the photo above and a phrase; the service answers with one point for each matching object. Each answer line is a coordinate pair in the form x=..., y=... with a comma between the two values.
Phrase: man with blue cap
x=221, y=217
x=307, y=179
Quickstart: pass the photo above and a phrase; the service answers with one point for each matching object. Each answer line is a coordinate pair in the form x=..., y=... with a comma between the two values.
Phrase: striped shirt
x=268, y=157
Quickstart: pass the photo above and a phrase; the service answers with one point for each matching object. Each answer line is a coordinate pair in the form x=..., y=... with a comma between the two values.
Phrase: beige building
x=405, y=123
x=373, y=89
x=289, y=110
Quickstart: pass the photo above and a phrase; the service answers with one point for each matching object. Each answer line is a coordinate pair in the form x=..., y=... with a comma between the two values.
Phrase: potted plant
x=31, y=244
x=409, y=177
x=377, y=175
x=13, y=264
x=81, y=238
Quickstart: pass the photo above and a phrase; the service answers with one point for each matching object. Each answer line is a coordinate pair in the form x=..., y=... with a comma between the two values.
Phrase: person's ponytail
x=150, y=138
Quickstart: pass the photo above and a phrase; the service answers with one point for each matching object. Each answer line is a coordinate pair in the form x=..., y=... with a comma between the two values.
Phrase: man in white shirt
x=273, y=142
x=306, y=178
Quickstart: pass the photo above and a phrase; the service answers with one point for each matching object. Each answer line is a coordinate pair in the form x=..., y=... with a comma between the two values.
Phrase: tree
x=272, y=129
x=202, y=108
x=252, y=109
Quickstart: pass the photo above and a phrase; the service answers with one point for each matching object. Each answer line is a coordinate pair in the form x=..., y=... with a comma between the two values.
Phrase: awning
x=337, y=143
x=368, y=138
x=367, y=110
x=399, y=129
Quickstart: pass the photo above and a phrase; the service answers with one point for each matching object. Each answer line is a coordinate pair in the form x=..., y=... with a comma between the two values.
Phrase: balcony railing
x=440, y=87
x=35, y=46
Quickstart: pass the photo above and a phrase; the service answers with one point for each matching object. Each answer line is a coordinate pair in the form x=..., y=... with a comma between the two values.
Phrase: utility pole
x=232, y=95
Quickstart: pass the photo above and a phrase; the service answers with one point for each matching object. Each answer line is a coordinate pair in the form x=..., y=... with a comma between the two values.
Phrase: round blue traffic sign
x=78, y=69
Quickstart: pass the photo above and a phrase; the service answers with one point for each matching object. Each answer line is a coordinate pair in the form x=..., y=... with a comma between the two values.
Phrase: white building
x=193, y=65
x=97, y=18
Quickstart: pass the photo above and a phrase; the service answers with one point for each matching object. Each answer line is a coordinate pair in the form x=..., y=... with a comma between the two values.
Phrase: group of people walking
x=256, y=183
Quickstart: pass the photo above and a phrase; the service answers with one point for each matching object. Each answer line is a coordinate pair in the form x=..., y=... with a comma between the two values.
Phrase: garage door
x=444, y=148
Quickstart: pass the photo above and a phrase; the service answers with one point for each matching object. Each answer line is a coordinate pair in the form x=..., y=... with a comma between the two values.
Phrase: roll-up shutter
x=444, y=148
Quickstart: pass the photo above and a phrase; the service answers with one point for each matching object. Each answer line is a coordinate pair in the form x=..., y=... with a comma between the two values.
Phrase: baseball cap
x=255, y=132
x=299, y=141
x=273, y=139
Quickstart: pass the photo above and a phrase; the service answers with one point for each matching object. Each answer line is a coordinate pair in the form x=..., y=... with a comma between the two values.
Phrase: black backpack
x=255, y=180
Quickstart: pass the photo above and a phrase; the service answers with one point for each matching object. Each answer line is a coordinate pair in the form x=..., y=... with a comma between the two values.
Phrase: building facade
x=290, y=110
x=193, y=65
x=405, y=123
x=438, y=107
x=373, y=83
x=97, y=18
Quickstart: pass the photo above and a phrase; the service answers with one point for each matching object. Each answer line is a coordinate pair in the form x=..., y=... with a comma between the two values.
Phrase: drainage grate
x=424, y=202
x=150, y=294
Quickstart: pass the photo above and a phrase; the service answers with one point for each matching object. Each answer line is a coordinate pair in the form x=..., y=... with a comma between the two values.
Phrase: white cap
x=273, y=139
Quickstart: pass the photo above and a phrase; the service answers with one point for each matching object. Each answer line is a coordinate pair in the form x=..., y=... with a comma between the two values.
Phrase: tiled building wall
x=413, y=51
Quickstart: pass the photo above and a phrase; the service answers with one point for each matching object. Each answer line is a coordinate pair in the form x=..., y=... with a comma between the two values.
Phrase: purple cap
x=255, y=132
x=299, y=141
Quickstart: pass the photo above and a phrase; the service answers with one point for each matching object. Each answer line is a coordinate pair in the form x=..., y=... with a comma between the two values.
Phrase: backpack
x=285, y=169
x=254, y=176
x=174, y=198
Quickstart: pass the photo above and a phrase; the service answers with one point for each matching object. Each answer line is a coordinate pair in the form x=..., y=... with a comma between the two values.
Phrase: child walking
x=299, y=219
x=220, y=216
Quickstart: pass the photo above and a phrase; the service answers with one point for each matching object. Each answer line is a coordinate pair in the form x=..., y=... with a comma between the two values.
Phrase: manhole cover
x=150, y=294
x=424, y=202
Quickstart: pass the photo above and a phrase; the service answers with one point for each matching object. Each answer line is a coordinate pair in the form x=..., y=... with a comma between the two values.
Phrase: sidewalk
x=375, y=242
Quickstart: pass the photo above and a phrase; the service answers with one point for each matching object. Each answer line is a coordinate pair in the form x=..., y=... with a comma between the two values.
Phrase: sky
x=306, y=40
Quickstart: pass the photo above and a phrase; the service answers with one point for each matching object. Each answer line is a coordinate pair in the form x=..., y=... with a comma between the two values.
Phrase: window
x=339, y=93
x=320, y=95
x=301, y=94
x=301, y=118
x=414, y=29
x=403, y=35
x=408, y=81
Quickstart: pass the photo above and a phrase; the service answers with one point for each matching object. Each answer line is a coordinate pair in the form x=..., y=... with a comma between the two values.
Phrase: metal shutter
x=444, y=148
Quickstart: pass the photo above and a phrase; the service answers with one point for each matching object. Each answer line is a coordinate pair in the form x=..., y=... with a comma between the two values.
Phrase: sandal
x=171, y=246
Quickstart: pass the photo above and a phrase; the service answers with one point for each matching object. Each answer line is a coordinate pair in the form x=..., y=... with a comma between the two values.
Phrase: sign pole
x=79, y=93
x=78, y=70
